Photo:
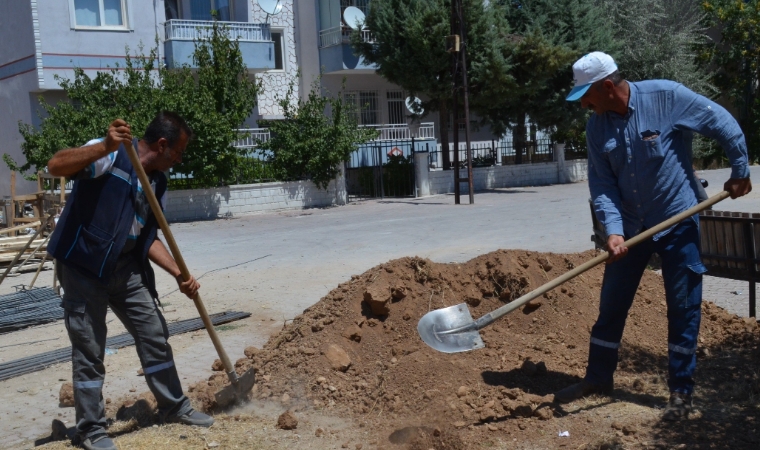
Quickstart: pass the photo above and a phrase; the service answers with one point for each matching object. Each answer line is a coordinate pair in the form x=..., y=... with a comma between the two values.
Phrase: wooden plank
x=15, y=247
x=708, y=246
x=20, y=227
x=740, y=247
x=29, y=197
x=8, y=257
x=756, y=228
x=728, y=242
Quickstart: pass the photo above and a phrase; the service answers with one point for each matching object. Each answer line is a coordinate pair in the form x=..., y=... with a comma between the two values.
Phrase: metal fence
x=384, y=168
x=493, y=153
x=250, y=166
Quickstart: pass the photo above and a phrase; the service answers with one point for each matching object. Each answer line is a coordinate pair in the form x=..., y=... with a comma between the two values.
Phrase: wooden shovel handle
x=509, y=307
x=164, y=225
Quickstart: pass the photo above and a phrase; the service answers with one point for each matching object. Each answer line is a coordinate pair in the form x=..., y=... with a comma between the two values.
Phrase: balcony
x=335, y=50
x=255, y=41
x=249, y=137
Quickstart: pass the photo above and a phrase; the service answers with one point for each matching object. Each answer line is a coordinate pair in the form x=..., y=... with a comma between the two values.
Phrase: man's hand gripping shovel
x=452, y=330
x=239, y=385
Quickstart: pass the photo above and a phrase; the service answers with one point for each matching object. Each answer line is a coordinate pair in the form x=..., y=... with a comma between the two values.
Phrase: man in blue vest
x=103, y=243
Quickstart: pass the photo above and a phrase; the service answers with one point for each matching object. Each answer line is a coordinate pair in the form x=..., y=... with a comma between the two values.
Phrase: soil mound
x=357, y=350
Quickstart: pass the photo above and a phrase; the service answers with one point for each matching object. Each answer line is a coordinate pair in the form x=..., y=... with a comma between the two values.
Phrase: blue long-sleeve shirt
x=639, y=164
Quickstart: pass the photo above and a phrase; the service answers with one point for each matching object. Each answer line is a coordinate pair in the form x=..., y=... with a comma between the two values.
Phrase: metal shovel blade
x=435, y=328
x=237, y=391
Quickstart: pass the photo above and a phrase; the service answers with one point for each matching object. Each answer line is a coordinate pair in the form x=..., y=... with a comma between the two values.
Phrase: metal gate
x=380, y=169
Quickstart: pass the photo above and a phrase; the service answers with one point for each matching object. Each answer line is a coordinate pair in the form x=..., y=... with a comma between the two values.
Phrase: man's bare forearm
x=161, y=256
x=68, y=162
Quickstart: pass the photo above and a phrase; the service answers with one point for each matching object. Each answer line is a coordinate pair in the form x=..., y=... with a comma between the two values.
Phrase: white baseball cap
x=588, y=70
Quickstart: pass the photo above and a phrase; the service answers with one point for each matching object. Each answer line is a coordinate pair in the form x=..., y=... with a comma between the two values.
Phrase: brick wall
x=230, y=201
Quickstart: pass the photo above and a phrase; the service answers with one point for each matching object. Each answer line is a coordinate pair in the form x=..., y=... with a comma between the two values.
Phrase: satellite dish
x=354, y=17
x=414, y=105
x=271, y=7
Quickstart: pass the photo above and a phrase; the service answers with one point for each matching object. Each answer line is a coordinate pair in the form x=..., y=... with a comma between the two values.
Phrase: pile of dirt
x=357, y=352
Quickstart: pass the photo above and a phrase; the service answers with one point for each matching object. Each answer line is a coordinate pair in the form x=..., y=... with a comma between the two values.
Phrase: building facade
x=48, y=38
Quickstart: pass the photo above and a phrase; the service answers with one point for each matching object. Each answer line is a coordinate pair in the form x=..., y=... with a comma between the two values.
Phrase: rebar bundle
x=29, y=307
x=42, y=361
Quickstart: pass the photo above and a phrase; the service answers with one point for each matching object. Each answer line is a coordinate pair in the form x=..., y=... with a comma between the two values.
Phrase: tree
x=410, y=52
x=660, y=40
x=215, y=99
x=315, y=137
x=547, y=37
x=737, y=58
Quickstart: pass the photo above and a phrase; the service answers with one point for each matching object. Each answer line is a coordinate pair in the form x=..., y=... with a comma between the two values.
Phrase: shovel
x=239, y=385
x=452, y=330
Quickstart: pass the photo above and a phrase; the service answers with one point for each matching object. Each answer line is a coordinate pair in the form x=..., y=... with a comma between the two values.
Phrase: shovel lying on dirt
x=452, y=330
x=239, y=385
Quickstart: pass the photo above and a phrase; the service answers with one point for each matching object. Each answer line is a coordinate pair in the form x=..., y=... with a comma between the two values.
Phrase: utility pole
x=458, y=49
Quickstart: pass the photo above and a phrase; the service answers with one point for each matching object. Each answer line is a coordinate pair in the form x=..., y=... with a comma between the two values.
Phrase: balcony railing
x=337, y=35
x=329, y=37
x=190, y=30
x=402, y=131
x=249, y=137
x=367, y=36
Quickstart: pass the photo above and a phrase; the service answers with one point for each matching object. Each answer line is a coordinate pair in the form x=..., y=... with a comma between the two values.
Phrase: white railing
x=337, y=35
x=329, y=37
x=249, y=137
x=190, y=30
x=402, y=131
x=367, y=36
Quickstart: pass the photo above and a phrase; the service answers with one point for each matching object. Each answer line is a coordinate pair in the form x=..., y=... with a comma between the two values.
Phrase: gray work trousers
x=85, y=302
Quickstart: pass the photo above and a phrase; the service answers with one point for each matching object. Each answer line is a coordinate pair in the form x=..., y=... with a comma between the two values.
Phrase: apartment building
x=45, y=38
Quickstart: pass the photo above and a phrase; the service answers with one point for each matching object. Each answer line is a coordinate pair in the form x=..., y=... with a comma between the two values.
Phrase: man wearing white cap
x=640, y=170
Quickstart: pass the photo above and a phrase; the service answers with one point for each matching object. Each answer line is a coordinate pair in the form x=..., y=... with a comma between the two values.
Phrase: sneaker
x=679, y=407
x=580, y=390
x=99, y=442
x=192, y=417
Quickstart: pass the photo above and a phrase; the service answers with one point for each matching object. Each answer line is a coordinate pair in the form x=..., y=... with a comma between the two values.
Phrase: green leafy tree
x=93, y=104
x=215, y=99
x=315, y=137
x=660, y=39
x=409, y=50
x=548, y=36
x=737, y=59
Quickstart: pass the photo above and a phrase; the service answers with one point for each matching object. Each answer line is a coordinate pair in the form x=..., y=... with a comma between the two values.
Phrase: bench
x=730, y=244
x=731, y=247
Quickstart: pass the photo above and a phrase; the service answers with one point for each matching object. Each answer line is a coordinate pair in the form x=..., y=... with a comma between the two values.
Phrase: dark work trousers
x=85, y=302
x=682, y=271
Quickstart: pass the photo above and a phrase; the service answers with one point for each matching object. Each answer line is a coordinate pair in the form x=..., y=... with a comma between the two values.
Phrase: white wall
x=442, y=181
x=232, y=201
x=18, y=77
x=275, y=83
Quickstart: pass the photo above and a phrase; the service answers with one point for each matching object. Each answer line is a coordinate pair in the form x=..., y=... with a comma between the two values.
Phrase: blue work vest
x=94, y=225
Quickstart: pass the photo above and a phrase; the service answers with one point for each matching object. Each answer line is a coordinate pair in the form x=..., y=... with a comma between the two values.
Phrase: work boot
x=580, y=390
x=679, y=407
x=99, y=442
x=192, y=417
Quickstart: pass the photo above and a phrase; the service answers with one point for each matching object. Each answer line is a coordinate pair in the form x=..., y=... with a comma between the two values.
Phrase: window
x=278, y=37
x=202, y=10
x=99, y=13
x=365, y=105
x=396, y=107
